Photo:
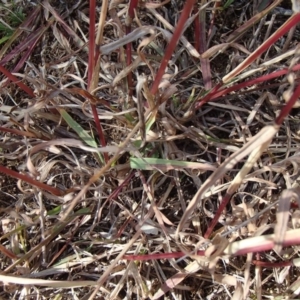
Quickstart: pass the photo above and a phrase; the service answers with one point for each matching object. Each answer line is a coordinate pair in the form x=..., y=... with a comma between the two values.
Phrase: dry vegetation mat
x=149, y=149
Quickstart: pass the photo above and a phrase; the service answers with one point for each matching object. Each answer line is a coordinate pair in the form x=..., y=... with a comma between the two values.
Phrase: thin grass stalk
x=208, y=96
x=288, y=25
x=214, y=221
x=267, y=264
x=115, y=194
x=249, y=245
x=167, y=255
x=92, y=36
x=196, y=28
x=128, y=63
x=171, y=46
x=132, y=6
x=217, y=94
x=217, y=5
x=31, y=181
x=18, y=132
x=8, y=253
x=31, y=39
x=91, y=66
x=17, y=81
x=287, y=108
x=99, y=37
x=62, y=249
x=200, y=35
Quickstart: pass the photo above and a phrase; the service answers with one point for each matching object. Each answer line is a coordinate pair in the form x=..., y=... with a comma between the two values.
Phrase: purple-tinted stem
x=128, y=63
x=31, y=181
x=91, y=61
x=293, y=21
x=171, y=46
x=200, y=35
x=209, y=95
x=213, y=95
x=217, y=215
x=132, y=6
x=91, y=66
x=14, y=79
x=287, y=108
x=167, y=255
x=267, y=264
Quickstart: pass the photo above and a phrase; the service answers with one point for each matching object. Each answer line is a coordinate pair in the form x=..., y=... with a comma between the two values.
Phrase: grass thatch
x=149, y=150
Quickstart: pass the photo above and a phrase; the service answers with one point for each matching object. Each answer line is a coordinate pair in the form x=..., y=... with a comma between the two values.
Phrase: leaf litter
x=170, y=175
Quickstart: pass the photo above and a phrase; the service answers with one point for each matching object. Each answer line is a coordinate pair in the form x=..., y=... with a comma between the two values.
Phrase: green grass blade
x=78, y=129
x=89, y=140
x=166, y=164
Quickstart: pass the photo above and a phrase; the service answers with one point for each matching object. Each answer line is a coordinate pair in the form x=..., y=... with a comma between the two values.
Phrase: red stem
x=289, y=24
x=8, y=253
x=200, y=35
x=171, y=46
x=128, y=63
x=92, y=61
x=18, y=132
x=167, y=255
x=31, y=181
x=287, y=108
x=17, y=81
x=267, y=264
x=132, y=6
x=213, y=223
x=213, y=95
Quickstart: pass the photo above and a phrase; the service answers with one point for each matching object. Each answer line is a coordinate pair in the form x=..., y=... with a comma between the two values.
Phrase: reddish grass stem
x=8, y=253
x=18, y=132
x=196, y=28
x=31, y=181
x=213, y=223
x=91, y=67
x=128, y=63
x=171, y=46
x=266, y=264
x=132, y=6
x=288, y=25
x=213, y=95
x=287, y=108
x=17, y=81
x=92, y=38
x=200, y=36
x=167, y=255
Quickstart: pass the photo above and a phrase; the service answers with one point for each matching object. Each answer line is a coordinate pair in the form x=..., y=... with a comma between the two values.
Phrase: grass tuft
x=149, y=150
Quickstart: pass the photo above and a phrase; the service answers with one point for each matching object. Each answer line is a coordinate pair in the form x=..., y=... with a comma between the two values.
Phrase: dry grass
x=186, y=189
